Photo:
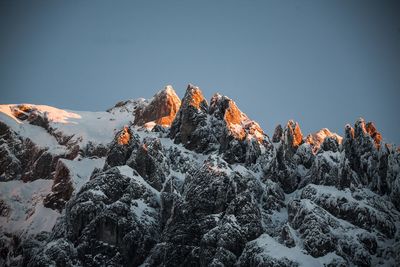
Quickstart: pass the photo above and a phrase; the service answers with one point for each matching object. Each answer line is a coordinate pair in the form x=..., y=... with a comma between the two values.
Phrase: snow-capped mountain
x=171, y=182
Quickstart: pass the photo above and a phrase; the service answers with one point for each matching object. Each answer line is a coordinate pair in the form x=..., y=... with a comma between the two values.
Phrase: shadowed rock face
x=62, y=188
x=161, y=110
x=150, y=162
x=22, y=159
x=191, y=117
x=278, y=133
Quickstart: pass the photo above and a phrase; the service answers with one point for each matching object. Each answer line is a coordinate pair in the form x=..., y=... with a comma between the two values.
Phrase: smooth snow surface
x=25, y=201
x=81, y=169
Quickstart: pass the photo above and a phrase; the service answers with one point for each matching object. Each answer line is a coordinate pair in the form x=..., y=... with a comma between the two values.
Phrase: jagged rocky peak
x=194, y=98
x=362, y=132
x=316, y=139
x=220, y=126
x=161, y=110
x=292, y=135
x=237, y=122
x=191, y=116
x=278, y=133
x=124, y=136
x=373, y=132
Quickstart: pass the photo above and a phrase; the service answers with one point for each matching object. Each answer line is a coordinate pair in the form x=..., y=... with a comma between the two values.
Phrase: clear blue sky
x=321, y=63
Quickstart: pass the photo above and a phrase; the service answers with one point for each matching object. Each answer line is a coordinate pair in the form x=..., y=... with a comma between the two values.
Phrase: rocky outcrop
x=345, y=206
x=113, y=220
x=316, y=139
x=190, y=124
x=239, y=137
x=161, y=110
x=316, y=216
x=373, y=132
x=31, y=114
x=62, y=188
x=217, y=213
x=220, y=126
x=124, y=137
x=367, y=158
x=292, y=137
x=22, y=159
x=278, y=133
x=150, y=162
x=121, y=148
x=280, y=161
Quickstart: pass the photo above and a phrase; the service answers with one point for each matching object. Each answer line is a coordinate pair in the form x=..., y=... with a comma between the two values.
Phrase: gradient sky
x=321, y=63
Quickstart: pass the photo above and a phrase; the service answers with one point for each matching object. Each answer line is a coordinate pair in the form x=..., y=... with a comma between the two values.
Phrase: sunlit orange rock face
x=238, y=124
x=22, y=111
x=293, y=135
x=233, y=119
x=232, y=114
x=317, y=138
x=31, y=114
x=161, y=110
x=124, y=137
x=373, y=132
x=196, y=97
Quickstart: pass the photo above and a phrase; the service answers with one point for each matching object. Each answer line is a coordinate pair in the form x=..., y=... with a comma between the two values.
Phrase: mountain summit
x=171, y=182
x=161, y=109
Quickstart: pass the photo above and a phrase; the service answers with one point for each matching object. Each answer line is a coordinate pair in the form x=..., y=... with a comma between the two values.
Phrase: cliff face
x=161, y=110
x=162, y=182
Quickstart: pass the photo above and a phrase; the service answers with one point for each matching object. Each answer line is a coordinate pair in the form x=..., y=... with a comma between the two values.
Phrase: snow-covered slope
x=82, y=126
x=161, y=182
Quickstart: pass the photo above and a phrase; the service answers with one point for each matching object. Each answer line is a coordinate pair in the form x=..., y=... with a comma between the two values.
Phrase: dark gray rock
x=119, y=153
x=189, y=125
x=150, y=162
x=61, y=190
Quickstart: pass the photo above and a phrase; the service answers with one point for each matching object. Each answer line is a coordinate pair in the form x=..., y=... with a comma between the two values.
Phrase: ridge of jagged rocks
x=220, y=193
x=220, y=126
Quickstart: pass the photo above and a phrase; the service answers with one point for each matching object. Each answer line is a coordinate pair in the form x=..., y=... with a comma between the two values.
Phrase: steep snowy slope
x=80, y=126
x=165, y=182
